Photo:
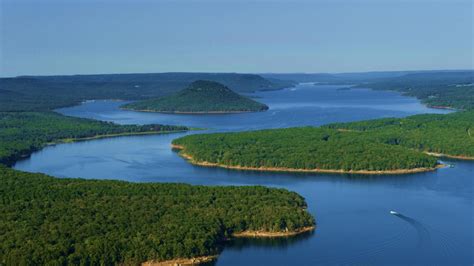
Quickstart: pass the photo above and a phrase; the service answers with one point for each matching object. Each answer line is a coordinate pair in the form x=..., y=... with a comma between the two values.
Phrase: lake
x=354, y=226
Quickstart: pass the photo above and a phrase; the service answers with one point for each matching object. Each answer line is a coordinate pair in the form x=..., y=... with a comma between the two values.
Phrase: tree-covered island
x=202, y=97
x=383, y=146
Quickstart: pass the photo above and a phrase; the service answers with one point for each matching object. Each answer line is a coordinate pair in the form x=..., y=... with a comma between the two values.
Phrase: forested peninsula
x=202, y=97
x=58, y=221
x=383, y=146
x=22, y=133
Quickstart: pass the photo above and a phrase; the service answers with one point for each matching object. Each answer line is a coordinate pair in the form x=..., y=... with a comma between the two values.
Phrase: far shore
x=70, y=140
x=190, y=112
x=442, y=107
x=301, y=170
x=27, y=153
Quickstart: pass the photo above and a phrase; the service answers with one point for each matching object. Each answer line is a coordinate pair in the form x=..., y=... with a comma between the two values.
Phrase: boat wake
x=424, y=245
x=424, y=236
x=445, y=244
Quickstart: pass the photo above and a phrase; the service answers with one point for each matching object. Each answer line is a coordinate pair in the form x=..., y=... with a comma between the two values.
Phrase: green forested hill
x=52, y=221
x=376, y=145
x=24, y=132
x=200, y=97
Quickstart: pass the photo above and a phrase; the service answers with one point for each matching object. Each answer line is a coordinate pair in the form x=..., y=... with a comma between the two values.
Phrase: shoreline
x=181, y=261
x=441, y=107
x=243, y=234
x=11, y=160
x=283, y=169
x=192, y=113
x=27, y=153
x=460, y=157
x=267, y=234
x=72, y=140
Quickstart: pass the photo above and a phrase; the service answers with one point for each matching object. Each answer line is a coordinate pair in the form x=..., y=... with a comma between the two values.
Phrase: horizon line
x=252, y=73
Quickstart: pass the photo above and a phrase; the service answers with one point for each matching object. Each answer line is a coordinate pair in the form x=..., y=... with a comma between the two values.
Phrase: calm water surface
x=352, y=212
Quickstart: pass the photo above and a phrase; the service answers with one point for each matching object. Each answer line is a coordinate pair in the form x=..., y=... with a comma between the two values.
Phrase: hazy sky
x=70, y=37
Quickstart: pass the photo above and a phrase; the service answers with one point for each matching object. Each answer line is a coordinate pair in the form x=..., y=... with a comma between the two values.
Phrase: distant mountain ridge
x=354, y=77
x=202, y=96
x=236, y=81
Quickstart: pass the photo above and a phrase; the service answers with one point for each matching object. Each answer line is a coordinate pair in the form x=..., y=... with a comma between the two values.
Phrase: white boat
x=393, y=212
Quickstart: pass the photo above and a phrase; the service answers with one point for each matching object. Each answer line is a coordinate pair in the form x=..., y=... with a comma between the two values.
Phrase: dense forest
x=24, y=132
x=306, y=148
x=451, y=134
x=55, y=221
x=40, y=93
x=201, y=96
x=376, y=145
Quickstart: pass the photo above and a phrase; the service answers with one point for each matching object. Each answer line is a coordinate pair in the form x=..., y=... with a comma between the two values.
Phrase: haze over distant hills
x=49, y=92
x=353, y=77
x=434, y=87
x=438, y=89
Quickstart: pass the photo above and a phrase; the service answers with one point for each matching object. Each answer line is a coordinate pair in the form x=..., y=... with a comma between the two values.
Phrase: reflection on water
x=352, y=211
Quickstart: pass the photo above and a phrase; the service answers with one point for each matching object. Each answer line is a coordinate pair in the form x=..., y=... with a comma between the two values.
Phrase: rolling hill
x=201, y=96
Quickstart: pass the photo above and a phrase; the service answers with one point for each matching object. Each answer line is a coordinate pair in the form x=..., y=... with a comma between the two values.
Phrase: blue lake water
x=352, y=211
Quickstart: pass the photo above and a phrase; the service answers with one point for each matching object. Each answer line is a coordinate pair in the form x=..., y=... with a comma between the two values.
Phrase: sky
x=55, y=37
